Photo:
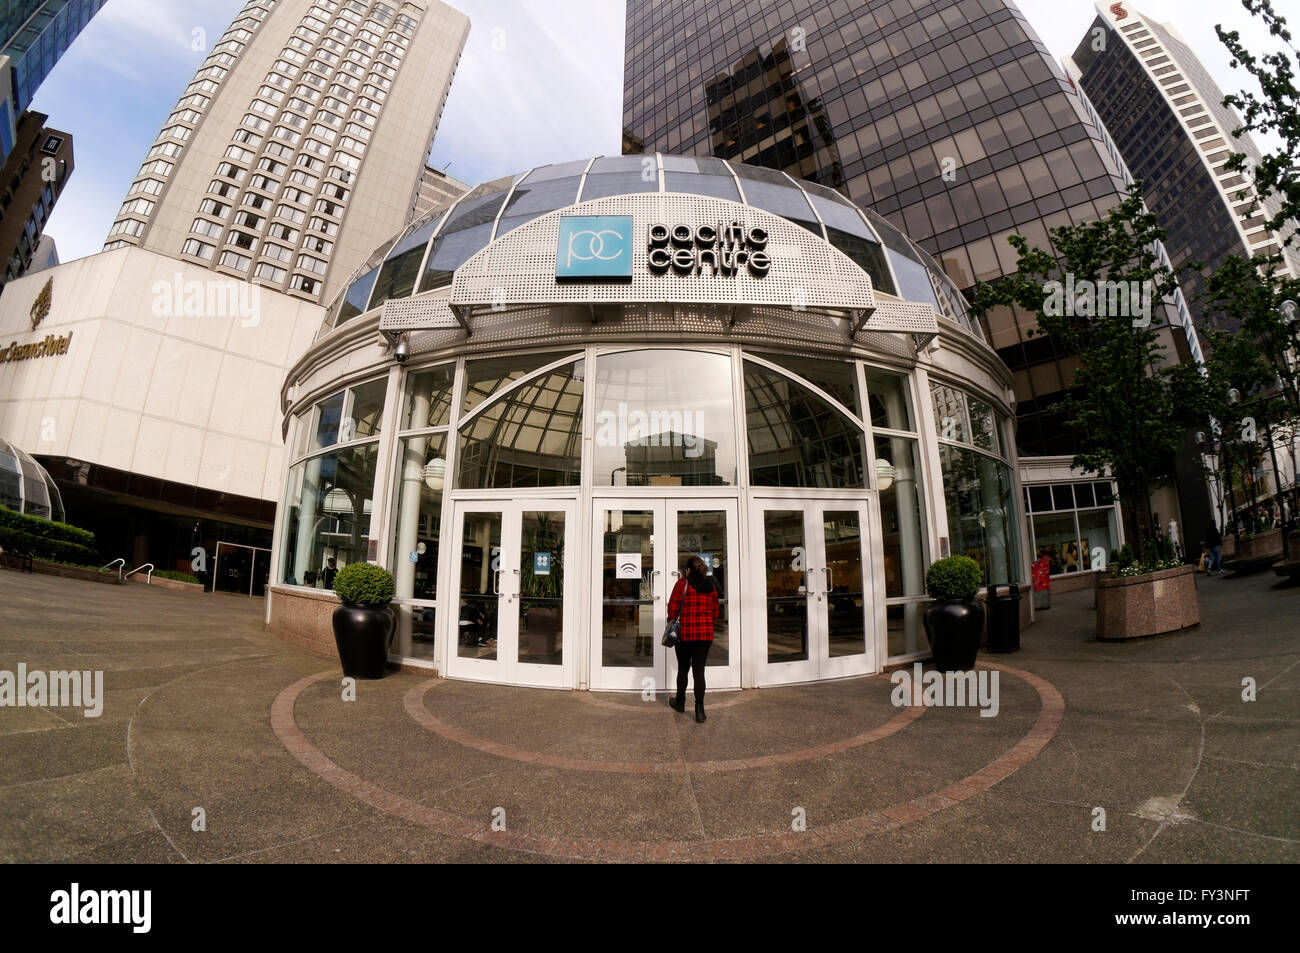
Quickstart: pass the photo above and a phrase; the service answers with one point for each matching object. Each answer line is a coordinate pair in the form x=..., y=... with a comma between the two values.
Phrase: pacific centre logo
x=594, y=246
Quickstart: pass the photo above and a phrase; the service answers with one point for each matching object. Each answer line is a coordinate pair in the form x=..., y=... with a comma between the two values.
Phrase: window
x=176, y=132
x=248, y=219
x=197, y=249
x=127, y=227
x=230, y=171
x=292, y=214
x=278, y=252
x=248, y=137
x=322, y=225
x=147, y=186
x=223, y=189
x=317, y=244
x=282, y=232
x=242, y=240
x=204, y=227
x=213, y=208
x=166, y=149
x=235, y=152
x=303, y=283
x=136, y=207
x=255, y=122
x=230, y=259
x=157, y=167
x=308, y=263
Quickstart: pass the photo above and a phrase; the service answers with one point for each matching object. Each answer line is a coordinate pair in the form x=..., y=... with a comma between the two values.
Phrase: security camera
x=402, y=351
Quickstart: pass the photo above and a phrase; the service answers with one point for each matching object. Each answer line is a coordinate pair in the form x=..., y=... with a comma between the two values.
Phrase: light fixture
x=885, y=474
x=435, y=471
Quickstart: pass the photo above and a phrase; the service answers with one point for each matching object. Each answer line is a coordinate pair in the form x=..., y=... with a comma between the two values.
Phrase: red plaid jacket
x=699, y=614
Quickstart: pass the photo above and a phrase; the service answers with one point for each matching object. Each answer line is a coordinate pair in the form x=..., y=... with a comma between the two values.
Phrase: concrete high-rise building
x=949, y=118
x=436, y=188
x=33, y=178
x=1167, y=118
x=301, y=142
x=33, y=35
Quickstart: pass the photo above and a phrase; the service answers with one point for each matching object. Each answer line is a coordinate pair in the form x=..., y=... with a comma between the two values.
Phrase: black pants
x=691, y=656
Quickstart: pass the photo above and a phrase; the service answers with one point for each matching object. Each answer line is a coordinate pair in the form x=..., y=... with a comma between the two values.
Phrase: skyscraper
x=1167, y=118
x=33, y=35
x=950, y=118
x=301, y=142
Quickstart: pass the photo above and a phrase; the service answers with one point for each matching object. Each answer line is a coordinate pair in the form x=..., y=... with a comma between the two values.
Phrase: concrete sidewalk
x=205, y=712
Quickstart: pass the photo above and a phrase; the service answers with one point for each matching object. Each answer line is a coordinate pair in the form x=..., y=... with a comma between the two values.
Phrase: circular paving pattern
x=740, y=848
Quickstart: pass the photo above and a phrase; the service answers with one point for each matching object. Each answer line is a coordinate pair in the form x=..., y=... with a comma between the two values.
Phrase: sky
x=540, y=81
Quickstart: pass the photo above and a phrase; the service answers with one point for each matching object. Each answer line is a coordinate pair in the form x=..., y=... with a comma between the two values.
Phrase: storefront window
x=530, y=438
x=664, y=418
x=428, y=397
x=327, y=519
x=982, y=523
x=1070, y=522
x=485, y=378
x=351, y=414
x=839, y=379
x=795, y=437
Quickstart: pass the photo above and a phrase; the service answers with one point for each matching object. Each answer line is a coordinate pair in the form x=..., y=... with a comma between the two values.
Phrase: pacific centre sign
x=600, y=247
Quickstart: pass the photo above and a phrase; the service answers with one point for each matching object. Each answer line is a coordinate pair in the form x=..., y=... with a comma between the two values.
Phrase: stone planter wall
x=1260, y=548
x=1132, y=607
x=167, y=583
x=304, y=617
x=58, y=569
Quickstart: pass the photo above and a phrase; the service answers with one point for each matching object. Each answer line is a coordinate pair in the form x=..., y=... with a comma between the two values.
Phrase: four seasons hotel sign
x=50, y=345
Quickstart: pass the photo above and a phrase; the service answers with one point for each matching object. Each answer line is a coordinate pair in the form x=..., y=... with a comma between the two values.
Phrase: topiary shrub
x=954, y=578
x=365, y=584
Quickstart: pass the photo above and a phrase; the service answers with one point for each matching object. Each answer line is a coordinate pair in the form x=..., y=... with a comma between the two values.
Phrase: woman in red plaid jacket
x=696, y=597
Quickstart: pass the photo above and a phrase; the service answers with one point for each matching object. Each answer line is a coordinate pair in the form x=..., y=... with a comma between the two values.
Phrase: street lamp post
x=1234, y=398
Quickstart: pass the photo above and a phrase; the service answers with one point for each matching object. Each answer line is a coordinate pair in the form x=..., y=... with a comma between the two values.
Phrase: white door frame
x=818, y=581
x=506, y=669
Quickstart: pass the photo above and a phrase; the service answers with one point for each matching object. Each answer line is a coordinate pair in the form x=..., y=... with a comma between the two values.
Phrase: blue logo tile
x=594, y=246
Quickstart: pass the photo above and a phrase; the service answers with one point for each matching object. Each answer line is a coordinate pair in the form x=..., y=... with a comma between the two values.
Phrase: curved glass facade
x=427, y=252
x=25, y=486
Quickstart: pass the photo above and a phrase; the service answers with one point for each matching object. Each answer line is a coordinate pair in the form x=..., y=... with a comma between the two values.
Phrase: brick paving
x=203, y=709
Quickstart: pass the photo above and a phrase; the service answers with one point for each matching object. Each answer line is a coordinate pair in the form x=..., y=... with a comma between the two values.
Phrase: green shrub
x=365, y=584
x=178, y=576
x=17, y=542
x=45, y=529
x=954, y=578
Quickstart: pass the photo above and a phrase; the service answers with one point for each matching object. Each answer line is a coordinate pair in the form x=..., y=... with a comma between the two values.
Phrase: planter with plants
x=955, y=620
x=363, y=625
x=1150, y=597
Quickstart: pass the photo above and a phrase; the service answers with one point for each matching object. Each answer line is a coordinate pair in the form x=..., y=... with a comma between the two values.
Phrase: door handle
x=496, y=582
x=518, y=584
x=654, y=589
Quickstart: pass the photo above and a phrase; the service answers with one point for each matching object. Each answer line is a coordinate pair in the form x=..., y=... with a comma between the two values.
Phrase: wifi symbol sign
x=628, y=569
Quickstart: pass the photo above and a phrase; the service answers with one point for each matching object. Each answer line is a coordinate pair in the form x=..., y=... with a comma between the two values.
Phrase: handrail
x=148, y=577
x=120, y=562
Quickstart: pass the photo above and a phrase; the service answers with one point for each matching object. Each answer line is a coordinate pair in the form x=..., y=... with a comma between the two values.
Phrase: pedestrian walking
x=1214, y=543
x=695, y=599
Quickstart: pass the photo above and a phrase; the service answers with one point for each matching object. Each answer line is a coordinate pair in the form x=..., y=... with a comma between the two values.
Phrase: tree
x=1275, y=110
x=1099, y=295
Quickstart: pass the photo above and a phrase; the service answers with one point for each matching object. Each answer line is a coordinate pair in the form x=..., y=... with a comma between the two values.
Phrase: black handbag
x=673, y=631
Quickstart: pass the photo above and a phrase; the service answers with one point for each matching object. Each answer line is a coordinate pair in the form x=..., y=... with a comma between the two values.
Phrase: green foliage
x=1159, y=555
x=178, y=576
x=1128, y=405
x=49, y=529
x=1122, y=560
x=365, y=584
x=954, y=578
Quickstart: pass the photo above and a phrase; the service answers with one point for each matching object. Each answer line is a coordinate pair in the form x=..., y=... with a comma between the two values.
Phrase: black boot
x=699, y=711
x=678, y=704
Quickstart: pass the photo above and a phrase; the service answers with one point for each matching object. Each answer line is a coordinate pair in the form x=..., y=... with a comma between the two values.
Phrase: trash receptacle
x=1004, y=618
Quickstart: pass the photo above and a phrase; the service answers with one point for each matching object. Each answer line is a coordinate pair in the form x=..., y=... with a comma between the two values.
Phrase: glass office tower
x=950, y=118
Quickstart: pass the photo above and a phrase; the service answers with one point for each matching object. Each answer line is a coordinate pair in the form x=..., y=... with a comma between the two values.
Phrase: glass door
x=629, y=611
x=512, y=587
x=707, y=528
x=817, y=620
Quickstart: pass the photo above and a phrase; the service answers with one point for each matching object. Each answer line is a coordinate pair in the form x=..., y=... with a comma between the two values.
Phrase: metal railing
x=120, y=563
x=148, y=577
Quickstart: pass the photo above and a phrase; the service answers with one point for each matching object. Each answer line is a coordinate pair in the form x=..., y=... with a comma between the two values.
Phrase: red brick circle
x=741, y=848
x=730, y=699
x=414, y=703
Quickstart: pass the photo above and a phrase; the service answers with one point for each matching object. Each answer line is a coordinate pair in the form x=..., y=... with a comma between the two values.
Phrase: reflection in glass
x=838, y=378
x=664, y=418
x=845, y=594
x=902, y=513
x=949, y=413
x=328, y=514
x=428, y=397
x=888, y=401
x=795, y=437
x=1057, y=538
x=530, y=438
x=1096, y=530
x=541, y=589
x=787, y=590
x=480, y=586
x=703, y=533
x=982, y=522
x=627, y=594
x=905, y=629
x=484, y=378
x=421, y=470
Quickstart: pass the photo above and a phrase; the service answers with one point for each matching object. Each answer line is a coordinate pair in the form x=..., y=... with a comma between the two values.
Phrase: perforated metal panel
x=903, y=316
x=405, y=314
x=806, y=272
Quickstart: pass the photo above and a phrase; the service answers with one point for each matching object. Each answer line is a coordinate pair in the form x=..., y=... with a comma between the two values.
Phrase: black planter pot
x=361, y=635
x=954, y=630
